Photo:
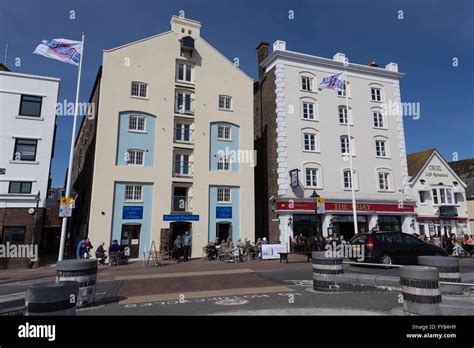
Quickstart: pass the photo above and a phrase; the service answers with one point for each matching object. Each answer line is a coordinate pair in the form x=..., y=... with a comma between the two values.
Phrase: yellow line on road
x=183, y=274
x=205, y=294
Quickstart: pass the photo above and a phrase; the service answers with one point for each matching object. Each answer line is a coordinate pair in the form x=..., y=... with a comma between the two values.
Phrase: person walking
x=187, y=245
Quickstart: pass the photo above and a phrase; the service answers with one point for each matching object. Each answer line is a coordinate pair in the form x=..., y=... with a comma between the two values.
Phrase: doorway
x=131, y=239
x=223, y=231
x=344, y=225
x=179, y=229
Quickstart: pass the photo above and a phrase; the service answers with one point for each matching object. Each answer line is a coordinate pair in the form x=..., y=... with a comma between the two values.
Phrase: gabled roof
x=465, y=170
x=418, y=161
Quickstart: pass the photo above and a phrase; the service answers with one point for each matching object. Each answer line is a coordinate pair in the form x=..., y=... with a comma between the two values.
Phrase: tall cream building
x=173, y=149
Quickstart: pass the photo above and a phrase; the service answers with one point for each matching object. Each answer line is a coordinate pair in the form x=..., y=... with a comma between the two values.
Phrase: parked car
x=394, y=247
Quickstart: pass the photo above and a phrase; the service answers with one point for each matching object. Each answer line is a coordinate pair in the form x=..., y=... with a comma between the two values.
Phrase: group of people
x=242, y=248
x=84, y=247
x=301, y=243
x=182, y=247
x=454, y=246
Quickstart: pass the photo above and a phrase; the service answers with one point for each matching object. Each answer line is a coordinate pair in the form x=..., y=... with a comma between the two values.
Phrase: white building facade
x=174, y=119
x=440, y=195
x=27, y=128
x=312, y=139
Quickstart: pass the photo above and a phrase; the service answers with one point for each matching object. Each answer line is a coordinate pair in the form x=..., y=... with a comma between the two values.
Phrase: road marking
x=204, y=294
x=183, y=274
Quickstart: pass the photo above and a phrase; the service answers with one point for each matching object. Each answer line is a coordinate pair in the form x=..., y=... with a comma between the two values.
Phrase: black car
x=393, y=248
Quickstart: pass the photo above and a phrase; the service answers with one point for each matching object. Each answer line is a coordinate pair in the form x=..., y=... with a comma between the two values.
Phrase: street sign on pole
x=320, y=206
x=65, y=206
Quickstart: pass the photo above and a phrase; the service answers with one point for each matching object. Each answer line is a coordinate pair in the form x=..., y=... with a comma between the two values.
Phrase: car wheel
x=386, y=259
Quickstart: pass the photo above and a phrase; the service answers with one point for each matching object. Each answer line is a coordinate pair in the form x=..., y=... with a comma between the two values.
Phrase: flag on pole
x=66, y=51
x=333, y=82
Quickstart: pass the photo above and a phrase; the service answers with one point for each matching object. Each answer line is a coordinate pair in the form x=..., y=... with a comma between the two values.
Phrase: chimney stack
x=262, y=53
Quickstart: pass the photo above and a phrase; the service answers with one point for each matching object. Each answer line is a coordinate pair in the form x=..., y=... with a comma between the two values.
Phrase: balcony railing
x=181, y=204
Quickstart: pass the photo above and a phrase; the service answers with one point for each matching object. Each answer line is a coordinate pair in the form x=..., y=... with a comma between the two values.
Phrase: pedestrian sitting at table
x=100, y=253
x=458, y=250
x=468, y=244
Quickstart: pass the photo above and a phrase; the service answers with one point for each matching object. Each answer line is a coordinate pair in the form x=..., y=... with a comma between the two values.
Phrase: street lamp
x=314, y=196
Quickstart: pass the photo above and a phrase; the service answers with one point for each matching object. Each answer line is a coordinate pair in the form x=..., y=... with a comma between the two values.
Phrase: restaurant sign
x=343, y=207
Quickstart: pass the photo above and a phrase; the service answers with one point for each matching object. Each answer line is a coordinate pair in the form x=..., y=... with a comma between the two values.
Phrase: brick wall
x=10, y=217
x=266, y=145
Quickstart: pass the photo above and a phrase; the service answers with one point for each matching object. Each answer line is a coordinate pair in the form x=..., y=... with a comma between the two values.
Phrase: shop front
x=299, y=217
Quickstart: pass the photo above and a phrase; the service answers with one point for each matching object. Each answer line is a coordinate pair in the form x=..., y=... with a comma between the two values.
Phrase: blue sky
x=423, y=44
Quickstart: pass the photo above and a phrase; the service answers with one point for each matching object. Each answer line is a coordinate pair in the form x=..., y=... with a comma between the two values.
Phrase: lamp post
x=314, y=196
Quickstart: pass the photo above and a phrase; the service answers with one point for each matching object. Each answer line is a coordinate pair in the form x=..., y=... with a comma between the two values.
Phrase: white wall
x=12, y=86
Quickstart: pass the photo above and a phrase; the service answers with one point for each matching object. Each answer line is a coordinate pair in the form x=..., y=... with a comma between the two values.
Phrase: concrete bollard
x=85, y=273
x=420, y=290
x=325, y=270
x=448, y=268
x=52, y=299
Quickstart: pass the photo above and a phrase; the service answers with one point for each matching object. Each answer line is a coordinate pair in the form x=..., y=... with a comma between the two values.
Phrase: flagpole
x=71, y=153
x=353, y=179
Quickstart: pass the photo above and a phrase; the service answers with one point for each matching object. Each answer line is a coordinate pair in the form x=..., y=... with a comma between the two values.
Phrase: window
x=308, y=111
x=457, y=197
x=347, y=179
x=223, y=195
x=133, y=193
x=345, y=145
x=14, y=235
x=225, y=102
x=384, y=183
x=30, y=106
x=25, y=149
x=311, y=177
x=309, y=142
x=135, y=157
x=422, y=197
x=223, y=163
x=376, y=94
x=181, y=164
x=183, y=132
x=435, y=196
x=139, y=89
x=19, y=187
x=342, y=93
x=136, y=123
x=223, y=132
x=306, y=83
x=443, y=196
x=184, y=72
x=381, y=148
x=343, y=115
x=184, y=102
x=378, y=119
